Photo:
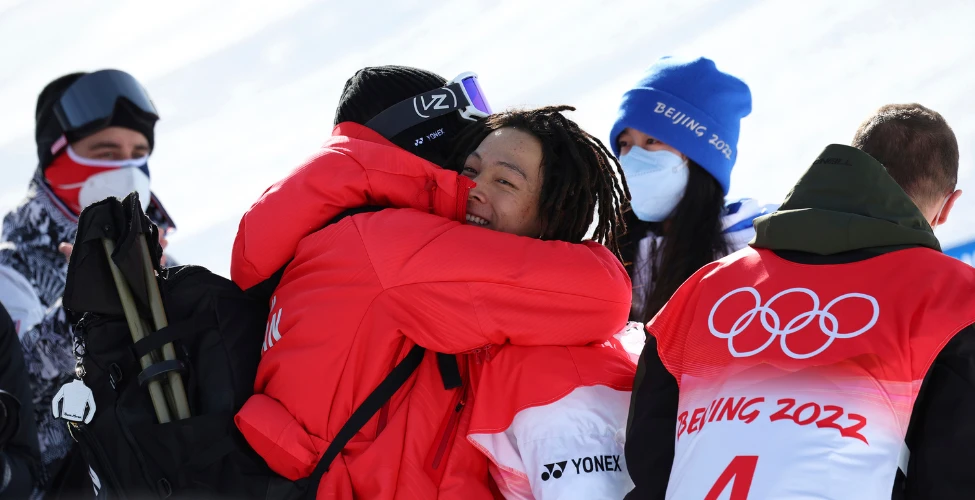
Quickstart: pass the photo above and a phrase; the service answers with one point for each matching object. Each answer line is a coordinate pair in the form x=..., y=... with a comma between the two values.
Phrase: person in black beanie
x=373, y=90
x=394, y=130
x=345, y=394
x=94, y=133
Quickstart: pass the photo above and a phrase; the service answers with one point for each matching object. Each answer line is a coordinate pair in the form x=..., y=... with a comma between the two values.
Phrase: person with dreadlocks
x=380, y=319
x=550, y=418
x=569, y=175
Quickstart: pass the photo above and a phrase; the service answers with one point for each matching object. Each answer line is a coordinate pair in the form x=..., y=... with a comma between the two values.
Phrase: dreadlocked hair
x=580, y=177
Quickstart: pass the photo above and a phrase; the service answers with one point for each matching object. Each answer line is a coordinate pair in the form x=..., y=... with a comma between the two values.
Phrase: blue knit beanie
x=690, y=105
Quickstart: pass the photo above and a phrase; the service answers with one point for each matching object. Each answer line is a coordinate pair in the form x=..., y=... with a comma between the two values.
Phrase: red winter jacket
x=357, y=295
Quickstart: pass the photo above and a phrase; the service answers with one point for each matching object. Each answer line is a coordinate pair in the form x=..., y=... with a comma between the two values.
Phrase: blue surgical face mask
x=657, y=181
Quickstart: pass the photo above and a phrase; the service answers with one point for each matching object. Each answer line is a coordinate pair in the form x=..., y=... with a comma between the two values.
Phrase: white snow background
x=247, y=89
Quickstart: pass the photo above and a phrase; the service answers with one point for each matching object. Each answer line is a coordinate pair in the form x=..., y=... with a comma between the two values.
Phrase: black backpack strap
x=383, y=392
x=159, y=369
x=191, y=327
x=449, y=371
x=374, y=402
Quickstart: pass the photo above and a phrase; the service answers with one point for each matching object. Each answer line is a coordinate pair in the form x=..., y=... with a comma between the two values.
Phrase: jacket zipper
x=451, y=428
x=384, y=411
x=481, y=354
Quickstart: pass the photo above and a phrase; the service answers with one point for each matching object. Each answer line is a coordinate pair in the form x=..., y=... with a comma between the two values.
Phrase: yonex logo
x=554, y=470
x=583, y=465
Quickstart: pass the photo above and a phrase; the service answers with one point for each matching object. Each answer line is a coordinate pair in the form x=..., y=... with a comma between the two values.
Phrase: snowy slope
x=248, y=89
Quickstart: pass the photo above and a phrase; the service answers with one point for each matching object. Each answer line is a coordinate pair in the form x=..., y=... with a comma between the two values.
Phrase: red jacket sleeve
x=453, y=287
x=323, y=188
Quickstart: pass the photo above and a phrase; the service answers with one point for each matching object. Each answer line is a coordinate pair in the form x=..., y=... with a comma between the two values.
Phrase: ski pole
x=182, y=405
x=167, y=390
x=137, y=332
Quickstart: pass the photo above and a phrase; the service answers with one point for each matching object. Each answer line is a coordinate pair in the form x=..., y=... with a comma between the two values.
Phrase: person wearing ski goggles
x=94, y=133
x=105, y=121
x=427, y=123
x=353, y=296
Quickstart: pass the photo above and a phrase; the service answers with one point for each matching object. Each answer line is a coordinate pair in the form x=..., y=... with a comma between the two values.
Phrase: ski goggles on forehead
x=91, y=100
x=462, y=95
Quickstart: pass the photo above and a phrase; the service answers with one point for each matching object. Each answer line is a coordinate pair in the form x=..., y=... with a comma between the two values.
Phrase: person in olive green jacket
x=847, y=209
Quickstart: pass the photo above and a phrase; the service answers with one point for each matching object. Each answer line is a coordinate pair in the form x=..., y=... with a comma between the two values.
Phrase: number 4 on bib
x=740, y=472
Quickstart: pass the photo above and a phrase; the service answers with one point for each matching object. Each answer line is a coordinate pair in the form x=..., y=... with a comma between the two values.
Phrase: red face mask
x=79, y=181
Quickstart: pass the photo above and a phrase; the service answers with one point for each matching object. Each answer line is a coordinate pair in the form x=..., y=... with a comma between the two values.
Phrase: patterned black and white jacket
x=32, y=279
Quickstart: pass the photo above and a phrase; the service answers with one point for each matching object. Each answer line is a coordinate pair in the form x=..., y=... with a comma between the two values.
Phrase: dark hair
x=692, y=237
x=917, y=147
x=580, y=177
x=373, y=89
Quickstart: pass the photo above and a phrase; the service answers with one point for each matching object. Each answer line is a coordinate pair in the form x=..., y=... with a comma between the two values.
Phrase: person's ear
x=942, y=216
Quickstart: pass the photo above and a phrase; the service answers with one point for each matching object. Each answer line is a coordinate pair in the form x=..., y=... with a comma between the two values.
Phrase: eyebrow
x=115, y=145
x=105, y=144
x=510, y=166
x=515, y=168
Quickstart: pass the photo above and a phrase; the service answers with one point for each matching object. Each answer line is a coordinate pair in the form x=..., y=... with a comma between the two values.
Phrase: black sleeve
x=650, y=429
x=941, y=434
x=20, y=453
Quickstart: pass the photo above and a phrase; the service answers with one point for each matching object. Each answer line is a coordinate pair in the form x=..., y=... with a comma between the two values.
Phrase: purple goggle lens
x=476, y=95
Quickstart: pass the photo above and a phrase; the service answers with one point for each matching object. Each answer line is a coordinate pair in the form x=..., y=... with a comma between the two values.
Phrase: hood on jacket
x=846, y=201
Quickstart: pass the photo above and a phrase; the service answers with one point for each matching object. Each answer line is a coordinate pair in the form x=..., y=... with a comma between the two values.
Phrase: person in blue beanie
x=676, y=136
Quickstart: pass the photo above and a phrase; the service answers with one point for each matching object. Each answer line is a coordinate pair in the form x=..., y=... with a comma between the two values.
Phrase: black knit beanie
x=371, y=90
x=47, y=130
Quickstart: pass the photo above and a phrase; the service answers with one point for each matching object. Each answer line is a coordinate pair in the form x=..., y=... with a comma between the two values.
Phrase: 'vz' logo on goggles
x=422, y=104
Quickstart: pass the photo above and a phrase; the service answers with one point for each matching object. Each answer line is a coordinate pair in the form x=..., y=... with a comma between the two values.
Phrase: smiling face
x=507, y=168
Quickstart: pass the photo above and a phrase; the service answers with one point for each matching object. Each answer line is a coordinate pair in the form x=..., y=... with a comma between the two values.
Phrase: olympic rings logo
x=828, y=323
